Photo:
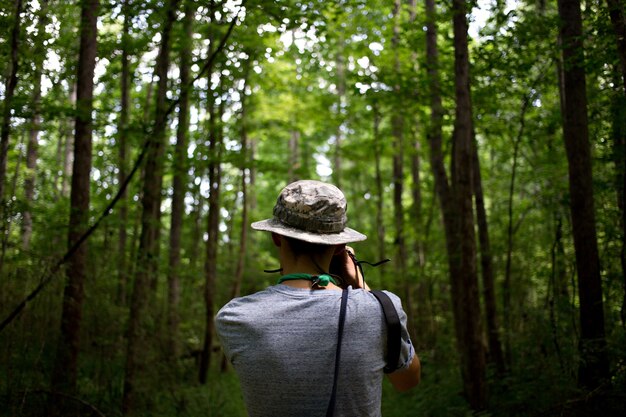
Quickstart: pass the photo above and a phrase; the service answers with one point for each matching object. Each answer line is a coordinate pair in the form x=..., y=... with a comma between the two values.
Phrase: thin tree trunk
x=5, y=129
x=58, y=159
x=180, y=183
x=416, y=163
x=557, y=290
x=380, y=224
x=210, y=265
x=68, y=147
x=35, y=127
x=618, y=21
x=341, y=105
x=148, y=104
x=5, y=236
x=9, y=91
x=122, y=267
x=252, y=175
x=506, y=287
x=594, y=363
x=618, y=133
x=493, y=333
x=65, y=367
x=31, y=167
x=423, y=312
x=416, y=193
x=472, y=351
x=214, y=168
x=397, y=128
x=241, y=258
x=196, y=218
x=146, y=268
x=294, y=157
x=442, y=186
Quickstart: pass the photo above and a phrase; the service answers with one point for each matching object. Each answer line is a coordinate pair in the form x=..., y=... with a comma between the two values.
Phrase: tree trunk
x=506, y=288
x=210, y=265
x=442, y=186
x=493, y=333
x=215, y=174
x=68, y=146
x=122, y=267
x=397, y=130
x=473, y=356
x=434, y=134
x=252, y=144
x=341, y=105
x=456, y=203
x=618, y=134
x=558, y=300
x=58, y=159
x=147, y=259
x=416, y=162
x=594, y=363
x=294, y=157
x=196, y=217
x=9, y=92
x=416, y=193
x=35, y=127
x=380, y=224
x=180, y=183
x=7, y=229
x=66, y=363
x=241, y=258
x=618, y=21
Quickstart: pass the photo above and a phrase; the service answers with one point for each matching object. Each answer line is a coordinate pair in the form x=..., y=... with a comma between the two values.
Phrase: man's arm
x=405, y=379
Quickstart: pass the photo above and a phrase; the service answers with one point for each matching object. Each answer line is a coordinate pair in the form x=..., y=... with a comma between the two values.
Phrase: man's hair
x=300, y=247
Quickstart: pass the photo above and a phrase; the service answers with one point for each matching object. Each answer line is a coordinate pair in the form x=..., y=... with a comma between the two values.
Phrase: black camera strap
x=394, y=330
x=394, y=327
x=342, y=319
x=394, y=337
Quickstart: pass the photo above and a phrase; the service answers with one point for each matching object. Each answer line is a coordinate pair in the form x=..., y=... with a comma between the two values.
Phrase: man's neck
x=303, y=267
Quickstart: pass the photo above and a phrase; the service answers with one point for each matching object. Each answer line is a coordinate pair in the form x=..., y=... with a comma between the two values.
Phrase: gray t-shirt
x=282, y=341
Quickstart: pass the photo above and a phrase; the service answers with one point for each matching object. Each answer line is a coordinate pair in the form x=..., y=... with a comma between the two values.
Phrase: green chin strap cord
x=321, y=280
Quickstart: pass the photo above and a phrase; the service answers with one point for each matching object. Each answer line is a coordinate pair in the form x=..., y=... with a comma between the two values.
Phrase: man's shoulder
x=397, y=301
x=247, y=301
x=371, y=298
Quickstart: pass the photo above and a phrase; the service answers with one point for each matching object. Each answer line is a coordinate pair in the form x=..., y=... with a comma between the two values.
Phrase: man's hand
x=344, y=266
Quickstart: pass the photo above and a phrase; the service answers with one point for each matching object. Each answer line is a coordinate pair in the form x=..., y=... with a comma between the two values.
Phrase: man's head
x=313, y=212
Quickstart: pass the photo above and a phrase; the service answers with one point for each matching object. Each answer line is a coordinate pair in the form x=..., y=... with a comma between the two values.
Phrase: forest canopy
x=480, y=146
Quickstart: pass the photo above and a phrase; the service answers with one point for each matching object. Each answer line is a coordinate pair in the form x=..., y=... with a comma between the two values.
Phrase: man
x=282, y=341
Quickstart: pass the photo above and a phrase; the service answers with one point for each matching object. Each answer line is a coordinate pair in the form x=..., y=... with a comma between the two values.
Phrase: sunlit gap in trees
x=480, y=14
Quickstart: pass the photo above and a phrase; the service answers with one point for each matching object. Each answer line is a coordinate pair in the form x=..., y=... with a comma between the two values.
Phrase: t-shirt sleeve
x=406, y=347
x=226, y=324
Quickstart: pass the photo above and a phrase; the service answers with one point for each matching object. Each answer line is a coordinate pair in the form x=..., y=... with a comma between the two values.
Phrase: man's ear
x=276, y=239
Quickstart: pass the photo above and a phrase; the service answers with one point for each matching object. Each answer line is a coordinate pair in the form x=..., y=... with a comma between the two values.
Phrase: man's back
x=282, y=343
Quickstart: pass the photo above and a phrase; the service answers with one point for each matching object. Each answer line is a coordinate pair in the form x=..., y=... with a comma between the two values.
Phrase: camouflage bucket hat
x=312, y=211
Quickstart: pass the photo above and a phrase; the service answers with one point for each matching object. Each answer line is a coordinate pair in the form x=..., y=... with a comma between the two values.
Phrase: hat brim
x=346, y=236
